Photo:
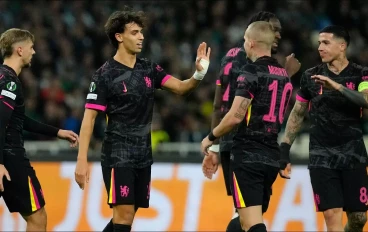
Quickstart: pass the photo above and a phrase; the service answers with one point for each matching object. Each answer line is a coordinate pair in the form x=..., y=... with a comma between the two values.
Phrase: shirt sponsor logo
x=8, y=94
x=92, y=96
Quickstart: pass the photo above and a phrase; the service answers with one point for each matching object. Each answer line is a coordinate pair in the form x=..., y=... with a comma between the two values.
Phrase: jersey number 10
x=288, y=88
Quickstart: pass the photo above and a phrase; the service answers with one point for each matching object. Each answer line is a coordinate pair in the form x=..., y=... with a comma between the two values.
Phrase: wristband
x=284, y=155
x=199, y=75
x=215, y=148
x=211, y=137
x=284, y=147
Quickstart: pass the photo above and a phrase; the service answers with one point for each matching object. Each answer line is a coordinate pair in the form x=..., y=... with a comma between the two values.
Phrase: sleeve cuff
x=301, y=99
x=166, y=78
x=95, y=107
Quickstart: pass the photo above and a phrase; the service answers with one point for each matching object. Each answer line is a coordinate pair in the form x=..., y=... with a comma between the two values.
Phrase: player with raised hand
x=124, y=88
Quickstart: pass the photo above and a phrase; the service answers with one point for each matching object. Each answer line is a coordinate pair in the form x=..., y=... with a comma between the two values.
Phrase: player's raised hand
x=210, y=164
x=81, y=173
x=202, y=53
x=206, y=143
x=326, y=82
x=69, y=136
x=3, y=172
x=202, y=61
x=292, y=65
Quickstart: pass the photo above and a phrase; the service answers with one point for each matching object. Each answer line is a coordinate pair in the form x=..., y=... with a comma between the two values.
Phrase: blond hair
x=261, y=32
x=12, y=36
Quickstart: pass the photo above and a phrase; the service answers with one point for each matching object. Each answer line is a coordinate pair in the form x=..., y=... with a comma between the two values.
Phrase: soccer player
x=124, y=89
x=20, y=188
x=337, y=154
x=263, y=91
x=224, y=96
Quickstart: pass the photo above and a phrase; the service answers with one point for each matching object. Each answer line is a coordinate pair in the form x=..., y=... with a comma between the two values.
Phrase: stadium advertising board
x=181, y=200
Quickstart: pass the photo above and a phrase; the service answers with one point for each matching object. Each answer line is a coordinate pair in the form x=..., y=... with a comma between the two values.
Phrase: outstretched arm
x=40, y=128
x=359, y=97
x=235, y=115
x=187, y=86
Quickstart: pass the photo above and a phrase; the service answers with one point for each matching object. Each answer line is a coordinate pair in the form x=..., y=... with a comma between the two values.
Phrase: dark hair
x=12, y=36
x=262, y=16
x=338, y=31
x=117, y=21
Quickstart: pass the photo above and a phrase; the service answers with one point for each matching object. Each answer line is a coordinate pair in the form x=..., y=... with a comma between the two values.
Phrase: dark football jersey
x=336, y=138
x=231, y=64
x=127, y=96
x=268, y=86
x=11, y=94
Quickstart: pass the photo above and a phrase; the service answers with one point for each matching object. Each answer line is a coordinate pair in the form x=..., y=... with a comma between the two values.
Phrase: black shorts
x=251, y=184
x=345, y=189
x=225, y=164
x=127, y=186
x=23, y=194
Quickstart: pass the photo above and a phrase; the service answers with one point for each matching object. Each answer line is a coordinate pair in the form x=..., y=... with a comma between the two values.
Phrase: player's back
x=231, y=65
x=12, y=96
x=268, y=86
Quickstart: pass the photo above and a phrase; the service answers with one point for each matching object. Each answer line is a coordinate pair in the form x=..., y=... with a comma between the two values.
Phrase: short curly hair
x=117, y=21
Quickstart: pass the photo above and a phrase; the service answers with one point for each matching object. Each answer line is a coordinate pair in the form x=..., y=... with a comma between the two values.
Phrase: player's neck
x=125, y=58
x=336, y=66
x=14, y=64
x=259, y=54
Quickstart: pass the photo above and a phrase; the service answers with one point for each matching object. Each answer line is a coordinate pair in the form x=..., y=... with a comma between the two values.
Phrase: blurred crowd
x=71, y=44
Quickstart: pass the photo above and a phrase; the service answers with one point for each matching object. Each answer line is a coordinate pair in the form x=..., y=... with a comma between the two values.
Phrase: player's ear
x=343, y=46
x=119, y=37
x=19, y=51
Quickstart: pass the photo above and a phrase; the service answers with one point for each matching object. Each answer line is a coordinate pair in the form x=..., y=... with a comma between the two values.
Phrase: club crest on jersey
x=158, y=68
x=350, y=85
x=92, y=87
x=240, y=78
x=148, y=82
x=11, y=86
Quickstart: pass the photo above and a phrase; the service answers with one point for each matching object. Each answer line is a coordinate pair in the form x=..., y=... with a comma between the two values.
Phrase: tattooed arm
x=235, y=115
x=295, y=122
x=293, y=126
